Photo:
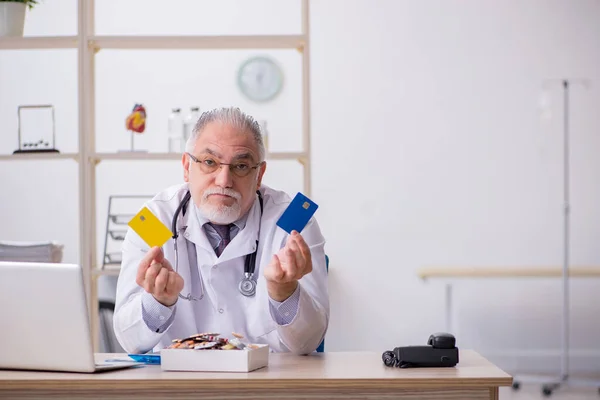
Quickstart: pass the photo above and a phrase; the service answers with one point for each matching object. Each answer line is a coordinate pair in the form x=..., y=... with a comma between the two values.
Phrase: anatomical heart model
x=136, y=121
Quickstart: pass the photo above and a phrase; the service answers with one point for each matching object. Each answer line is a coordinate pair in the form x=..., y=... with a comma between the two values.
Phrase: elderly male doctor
x=163, y=296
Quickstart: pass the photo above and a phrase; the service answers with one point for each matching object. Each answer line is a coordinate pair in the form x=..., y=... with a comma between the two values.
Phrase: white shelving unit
x=40, y=156
x=88, y=45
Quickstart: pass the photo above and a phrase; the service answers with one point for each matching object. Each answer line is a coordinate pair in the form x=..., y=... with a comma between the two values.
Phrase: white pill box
x=246, y=360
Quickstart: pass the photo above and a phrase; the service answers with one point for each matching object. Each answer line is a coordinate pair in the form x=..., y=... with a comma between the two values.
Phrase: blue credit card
x=297, y=214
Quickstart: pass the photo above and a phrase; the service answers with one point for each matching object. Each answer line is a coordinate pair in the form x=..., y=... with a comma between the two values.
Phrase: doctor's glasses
x=209, y=164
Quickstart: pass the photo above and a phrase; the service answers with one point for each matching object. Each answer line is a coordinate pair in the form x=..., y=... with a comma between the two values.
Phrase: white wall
x=427, y=143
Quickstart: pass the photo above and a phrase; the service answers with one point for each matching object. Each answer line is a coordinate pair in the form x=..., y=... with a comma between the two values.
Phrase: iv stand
x=548, y=386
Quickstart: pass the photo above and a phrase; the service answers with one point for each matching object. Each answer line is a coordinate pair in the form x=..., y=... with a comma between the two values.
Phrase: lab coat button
x=161, y=318
x=186, y=235
x=221, y=310
x=214, y=267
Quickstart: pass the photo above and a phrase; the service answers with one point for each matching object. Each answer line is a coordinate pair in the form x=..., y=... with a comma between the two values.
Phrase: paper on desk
x=30, y=251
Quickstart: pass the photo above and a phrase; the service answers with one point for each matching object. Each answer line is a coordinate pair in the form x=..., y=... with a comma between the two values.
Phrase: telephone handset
x=440, y=351
x=442, y=341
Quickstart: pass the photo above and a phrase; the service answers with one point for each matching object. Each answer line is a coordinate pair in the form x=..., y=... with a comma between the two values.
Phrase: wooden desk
x=332, y=375
x=448, y=274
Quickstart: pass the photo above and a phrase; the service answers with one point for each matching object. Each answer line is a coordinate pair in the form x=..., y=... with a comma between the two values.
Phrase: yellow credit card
x=150, y=228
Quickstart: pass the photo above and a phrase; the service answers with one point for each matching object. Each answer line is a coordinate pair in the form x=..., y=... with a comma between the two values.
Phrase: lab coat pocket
x=260, y=322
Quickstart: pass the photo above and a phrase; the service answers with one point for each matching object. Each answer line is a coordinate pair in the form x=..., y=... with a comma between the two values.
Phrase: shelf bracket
x=301, y=47
x=302, y=160
x=93, y=47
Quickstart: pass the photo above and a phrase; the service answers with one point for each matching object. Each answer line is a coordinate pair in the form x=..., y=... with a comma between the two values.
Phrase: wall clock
x=260, y=79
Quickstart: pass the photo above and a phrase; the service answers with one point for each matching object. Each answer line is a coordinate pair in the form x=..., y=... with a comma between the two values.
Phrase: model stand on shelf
x=136, y=125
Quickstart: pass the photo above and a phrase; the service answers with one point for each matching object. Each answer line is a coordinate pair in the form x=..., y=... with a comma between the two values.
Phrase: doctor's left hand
x=291, y=263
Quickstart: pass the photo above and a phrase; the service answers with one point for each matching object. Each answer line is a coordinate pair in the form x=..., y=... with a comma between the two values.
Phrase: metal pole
x=565, y=335
x=306, y=111
x=564, y=380
x=449, y=307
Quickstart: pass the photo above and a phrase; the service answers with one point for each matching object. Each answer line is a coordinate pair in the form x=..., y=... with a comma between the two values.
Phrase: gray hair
x=231, y=116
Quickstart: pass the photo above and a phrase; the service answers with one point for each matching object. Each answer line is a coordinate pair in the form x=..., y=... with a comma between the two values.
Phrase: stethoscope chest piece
x=247, y=286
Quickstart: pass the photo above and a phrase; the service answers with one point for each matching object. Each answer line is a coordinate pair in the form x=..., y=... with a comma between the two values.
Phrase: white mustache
x=225, y=191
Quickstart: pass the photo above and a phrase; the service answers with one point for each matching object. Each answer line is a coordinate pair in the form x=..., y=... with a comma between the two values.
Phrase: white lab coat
x=224, y=309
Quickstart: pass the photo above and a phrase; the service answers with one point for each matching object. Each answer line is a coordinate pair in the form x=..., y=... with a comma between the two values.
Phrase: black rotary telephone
x=440, y=351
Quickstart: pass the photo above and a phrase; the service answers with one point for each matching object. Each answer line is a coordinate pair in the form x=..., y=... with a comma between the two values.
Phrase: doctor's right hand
x=158, y=278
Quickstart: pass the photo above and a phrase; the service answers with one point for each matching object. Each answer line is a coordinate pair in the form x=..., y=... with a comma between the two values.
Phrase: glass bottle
x=175, y=131
x=190, y=122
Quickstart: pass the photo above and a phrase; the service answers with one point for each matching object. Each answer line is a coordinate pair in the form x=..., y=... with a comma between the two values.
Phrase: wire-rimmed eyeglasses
x=209, y=164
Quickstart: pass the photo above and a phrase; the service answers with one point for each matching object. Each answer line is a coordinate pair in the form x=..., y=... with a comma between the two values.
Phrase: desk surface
x=334, y=368
x=506, y=272
x=333, y=371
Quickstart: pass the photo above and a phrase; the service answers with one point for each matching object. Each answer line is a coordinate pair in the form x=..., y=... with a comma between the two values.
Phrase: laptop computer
x=44, y=319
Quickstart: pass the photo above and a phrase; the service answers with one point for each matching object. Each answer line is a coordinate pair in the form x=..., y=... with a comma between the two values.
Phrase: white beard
x=220, y=213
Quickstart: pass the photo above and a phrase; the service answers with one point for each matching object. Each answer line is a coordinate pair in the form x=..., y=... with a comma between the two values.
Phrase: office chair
x=321, y=347
x=108, y=339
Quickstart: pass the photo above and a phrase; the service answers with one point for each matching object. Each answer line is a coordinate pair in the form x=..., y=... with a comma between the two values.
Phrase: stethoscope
x=247, y=285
